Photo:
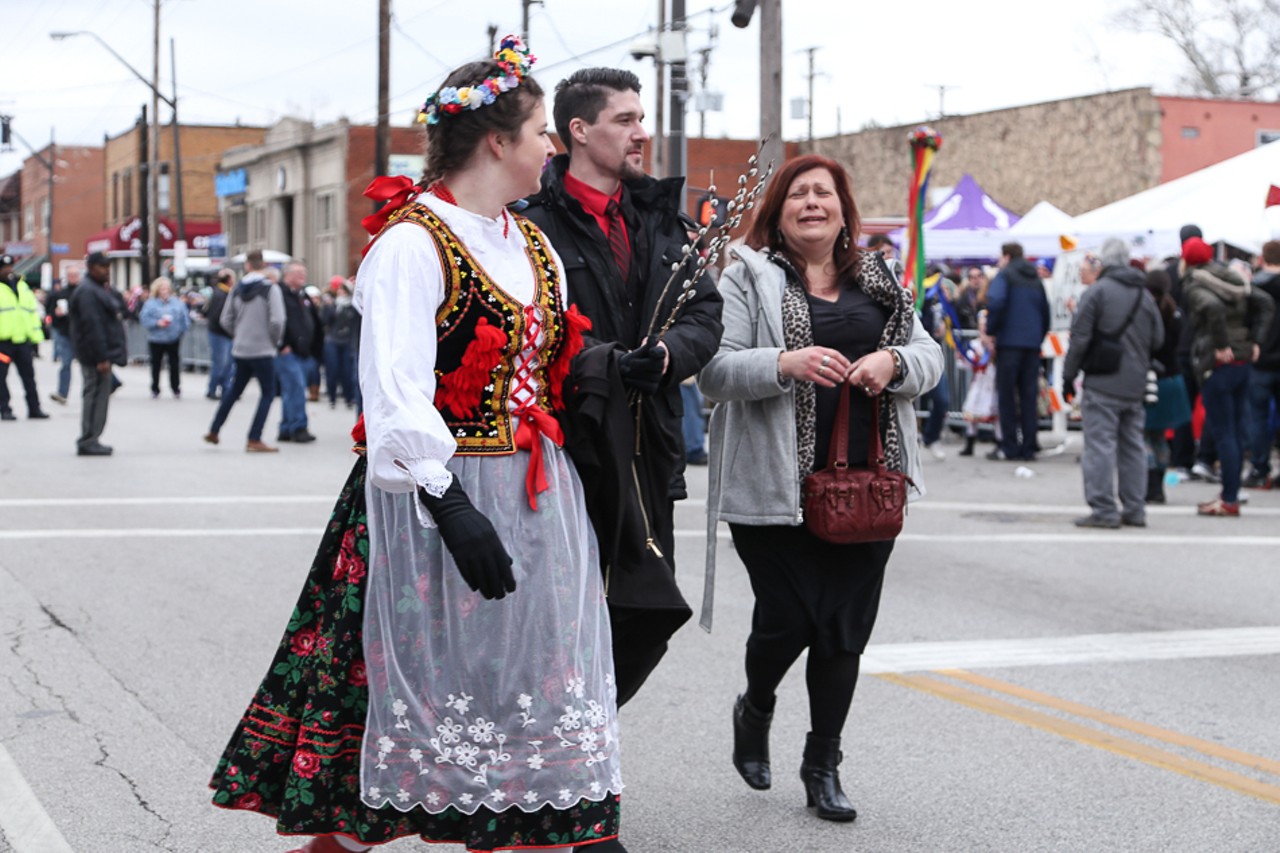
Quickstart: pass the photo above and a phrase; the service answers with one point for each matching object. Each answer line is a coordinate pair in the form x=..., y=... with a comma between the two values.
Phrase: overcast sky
x=255, y=61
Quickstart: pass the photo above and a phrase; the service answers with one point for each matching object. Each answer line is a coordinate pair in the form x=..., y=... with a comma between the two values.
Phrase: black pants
x=163, y=351
x=1018, y=387
x=20, y=355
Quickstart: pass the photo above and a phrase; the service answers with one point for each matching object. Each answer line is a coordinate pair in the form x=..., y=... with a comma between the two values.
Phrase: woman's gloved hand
x=482, y=561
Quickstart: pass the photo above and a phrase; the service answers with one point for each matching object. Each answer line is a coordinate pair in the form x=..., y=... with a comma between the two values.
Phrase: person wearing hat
x=97, y=333
x=20, y=331
x=1230, y=320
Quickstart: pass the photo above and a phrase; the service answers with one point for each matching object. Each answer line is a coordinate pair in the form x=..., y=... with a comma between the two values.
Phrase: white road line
x=156, y=532
x=930, y=505
x=234, y=500
x=27, y=826
x=1109, y=537
x=1086, y=648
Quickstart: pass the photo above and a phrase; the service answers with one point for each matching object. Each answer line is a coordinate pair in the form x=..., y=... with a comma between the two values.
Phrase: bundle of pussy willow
x=750, y=185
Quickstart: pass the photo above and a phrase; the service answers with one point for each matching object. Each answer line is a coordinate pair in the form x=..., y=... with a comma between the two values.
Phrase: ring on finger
x=826, y=359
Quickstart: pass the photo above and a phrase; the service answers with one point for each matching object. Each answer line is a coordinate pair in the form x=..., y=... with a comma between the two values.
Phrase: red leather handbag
x=844, y=505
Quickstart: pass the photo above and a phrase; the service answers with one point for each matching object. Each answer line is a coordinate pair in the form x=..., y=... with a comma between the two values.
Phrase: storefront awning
x=126, y=238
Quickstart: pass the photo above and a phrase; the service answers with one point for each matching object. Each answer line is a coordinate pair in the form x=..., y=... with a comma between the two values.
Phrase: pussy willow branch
x=743, y=200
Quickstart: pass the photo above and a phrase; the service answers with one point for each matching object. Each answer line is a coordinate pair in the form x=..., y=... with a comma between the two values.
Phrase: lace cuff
x=429, y=474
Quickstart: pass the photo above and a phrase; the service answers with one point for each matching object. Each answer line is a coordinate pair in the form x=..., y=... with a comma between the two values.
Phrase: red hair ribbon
x=395, y=191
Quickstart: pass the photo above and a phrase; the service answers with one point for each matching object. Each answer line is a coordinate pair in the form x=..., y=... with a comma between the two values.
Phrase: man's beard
x=629, y=172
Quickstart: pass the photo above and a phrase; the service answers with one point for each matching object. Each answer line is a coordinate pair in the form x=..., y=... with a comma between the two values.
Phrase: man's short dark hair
x=1012, y=250
x=875, y=241
x=583, y=95
x=253, y=260
x=1271, y=253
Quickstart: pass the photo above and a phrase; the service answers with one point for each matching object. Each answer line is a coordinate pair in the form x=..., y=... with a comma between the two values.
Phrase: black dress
x=811, y=593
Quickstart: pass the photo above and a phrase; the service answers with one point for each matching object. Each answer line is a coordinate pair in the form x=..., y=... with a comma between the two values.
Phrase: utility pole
x=144, y=205
x=676, y=166
x=493, y=39
x=812, y=74
x=658, y=144
x=524, y=19
x=771, y=82
x=48, y=213
x=704, y=66
x=177, y=150
x=942, y=97
x=382, y=136
x=153, y=164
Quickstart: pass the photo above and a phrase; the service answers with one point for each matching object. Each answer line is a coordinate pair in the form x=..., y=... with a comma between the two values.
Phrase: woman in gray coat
x=805, y=310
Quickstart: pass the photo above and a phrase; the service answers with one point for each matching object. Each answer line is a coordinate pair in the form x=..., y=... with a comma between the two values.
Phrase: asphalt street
x=1029, y=686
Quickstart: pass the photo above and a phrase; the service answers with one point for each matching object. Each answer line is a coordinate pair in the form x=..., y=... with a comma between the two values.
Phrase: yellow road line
x=1089, y=736
x=1213, y=750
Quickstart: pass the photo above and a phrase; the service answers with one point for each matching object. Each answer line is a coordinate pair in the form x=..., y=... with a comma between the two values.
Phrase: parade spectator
x=937, y=400
x=340, y=321
x=882, y=244
x=1172, y=408
x=1017, y=319
x=303, y=346
x=221, y=365
x=97, y=333
x=980, y=407
x=1186, y=454
x=166, y=319
x=1264, y=382
x=60, y=327
x=471, y=508
x=254, y=315
x=20, y=330
x=620, y=231
x=971, y=297
x=1231, y=320
x=1116, y=306
x=805, y=312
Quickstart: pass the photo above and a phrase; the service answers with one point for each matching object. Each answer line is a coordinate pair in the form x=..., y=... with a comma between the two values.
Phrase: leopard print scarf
x=797, y=331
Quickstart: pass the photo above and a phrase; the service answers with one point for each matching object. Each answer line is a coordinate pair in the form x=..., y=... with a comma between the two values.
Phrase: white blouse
x=399, y=288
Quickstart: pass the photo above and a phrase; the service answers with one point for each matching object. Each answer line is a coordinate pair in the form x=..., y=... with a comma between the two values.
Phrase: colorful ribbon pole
x=925, y=143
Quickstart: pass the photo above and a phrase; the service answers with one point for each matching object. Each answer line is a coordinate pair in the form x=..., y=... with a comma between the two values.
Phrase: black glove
x=641, y=368
x=482, y=561
x=1068, y=388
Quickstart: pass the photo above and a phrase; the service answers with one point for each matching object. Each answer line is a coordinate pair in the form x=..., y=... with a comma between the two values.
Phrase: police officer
x=19, y=333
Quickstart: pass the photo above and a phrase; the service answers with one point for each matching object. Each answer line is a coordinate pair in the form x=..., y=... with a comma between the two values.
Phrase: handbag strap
x=1119, y=333
x=838, y=454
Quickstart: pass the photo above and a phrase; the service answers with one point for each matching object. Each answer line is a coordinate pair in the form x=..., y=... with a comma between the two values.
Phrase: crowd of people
x=498, y=575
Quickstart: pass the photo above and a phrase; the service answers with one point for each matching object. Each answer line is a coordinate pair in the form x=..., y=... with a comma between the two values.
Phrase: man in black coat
x=618, y=232
x=97, y=333
x=303, y=347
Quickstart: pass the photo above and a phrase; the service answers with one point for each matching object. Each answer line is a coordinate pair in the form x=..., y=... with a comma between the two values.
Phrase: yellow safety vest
x=19, y=315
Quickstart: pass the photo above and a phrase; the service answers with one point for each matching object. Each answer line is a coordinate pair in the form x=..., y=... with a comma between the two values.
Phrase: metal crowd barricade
x=193, y=348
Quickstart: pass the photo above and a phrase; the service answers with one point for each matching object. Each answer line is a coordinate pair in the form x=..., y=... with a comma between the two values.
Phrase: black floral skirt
x=295, y=756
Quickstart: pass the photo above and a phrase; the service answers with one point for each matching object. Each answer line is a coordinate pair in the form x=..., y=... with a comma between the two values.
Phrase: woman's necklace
x=440, y=191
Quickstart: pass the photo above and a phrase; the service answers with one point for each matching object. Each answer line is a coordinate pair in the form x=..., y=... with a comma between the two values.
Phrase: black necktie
x=618, y=238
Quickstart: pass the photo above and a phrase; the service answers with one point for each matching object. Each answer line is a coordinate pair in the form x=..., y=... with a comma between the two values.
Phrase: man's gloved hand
x=482, y=561
x=642, y=368
x=1068, y=388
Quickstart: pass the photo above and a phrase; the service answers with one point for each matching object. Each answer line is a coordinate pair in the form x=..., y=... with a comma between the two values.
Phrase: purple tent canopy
x=967, y=223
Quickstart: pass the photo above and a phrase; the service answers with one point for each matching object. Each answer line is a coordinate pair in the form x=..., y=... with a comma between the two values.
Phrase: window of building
x=1191, y=133
x=115, y=196
x=126, y=208
x=44, y=215
x=29, y=222
x=324, y=212
x=238, y=228
x=259, y=224
x=162, y=189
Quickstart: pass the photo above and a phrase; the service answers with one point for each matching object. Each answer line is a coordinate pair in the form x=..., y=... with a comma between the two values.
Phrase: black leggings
x=169, y=351
x=831, y=682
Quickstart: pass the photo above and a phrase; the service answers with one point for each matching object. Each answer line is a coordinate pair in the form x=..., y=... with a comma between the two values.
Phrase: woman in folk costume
x=448, y=672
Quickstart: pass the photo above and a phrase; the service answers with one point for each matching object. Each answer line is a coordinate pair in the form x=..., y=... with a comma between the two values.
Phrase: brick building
x=1078, y=153
x=10, y=212
x=77, y=206
x=123, y=181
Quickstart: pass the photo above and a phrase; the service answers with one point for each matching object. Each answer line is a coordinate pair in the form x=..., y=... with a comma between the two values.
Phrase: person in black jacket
x=1018, y=318
x=222, y=366
x=1264, y=381
x=59, y=321
x=97, y=333
x=303, y=346
x=618, y=232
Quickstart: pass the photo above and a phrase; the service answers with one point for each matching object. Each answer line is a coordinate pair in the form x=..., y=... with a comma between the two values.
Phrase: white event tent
x=1040, y=230
x=1227, y=200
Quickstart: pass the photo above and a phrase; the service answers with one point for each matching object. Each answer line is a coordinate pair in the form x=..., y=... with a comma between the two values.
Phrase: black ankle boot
x=968, y=445
x=1155, y=485
x=751, y=744
x=821, y=776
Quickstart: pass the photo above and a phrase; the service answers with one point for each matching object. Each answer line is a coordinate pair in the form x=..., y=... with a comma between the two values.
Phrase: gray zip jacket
x=254, y=317
x=754, y=464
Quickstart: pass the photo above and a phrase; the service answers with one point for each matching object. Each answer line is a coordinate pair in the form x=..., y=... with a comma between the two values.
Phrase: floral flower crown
x=515, y=59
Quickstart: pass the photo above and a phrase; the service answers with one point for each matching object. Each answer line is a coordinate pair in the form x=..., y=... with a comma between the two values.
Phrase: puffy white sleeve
x=399, y=288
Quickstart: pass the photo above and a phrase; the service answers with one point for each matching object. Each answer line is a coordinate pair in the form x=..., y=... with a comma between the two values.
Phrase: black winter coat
x=619, y=312
x=97, y=324
x=303, y=331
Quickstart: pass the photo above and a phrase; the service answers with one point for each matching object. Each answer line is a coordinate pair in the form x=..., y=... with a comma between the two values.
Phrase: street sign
x=61, y=248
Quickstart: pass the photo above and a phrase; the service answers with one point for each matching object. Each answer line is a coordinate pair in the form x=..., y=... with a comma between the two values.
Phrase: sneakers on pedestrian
x=258, y=447
x=1219, y=507
x=936, y=450
x=211, y=437
x=1204, y=473
x=997, y=455
x=302, y=437
x=1097, y=522
x=1256, y=480
x=58, y=398
x=697, y=458
x=38, y=415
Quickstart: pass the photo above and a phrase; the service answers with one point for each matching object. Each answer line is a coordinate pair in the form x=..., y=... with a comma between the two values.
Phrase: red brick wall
x=1198, y=132
x=361, y=146
x=77, y=198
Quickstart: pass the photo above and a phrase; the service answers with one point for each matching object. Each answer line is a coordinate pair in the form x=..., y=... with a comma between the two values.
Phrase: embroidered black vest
x=480, y=331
